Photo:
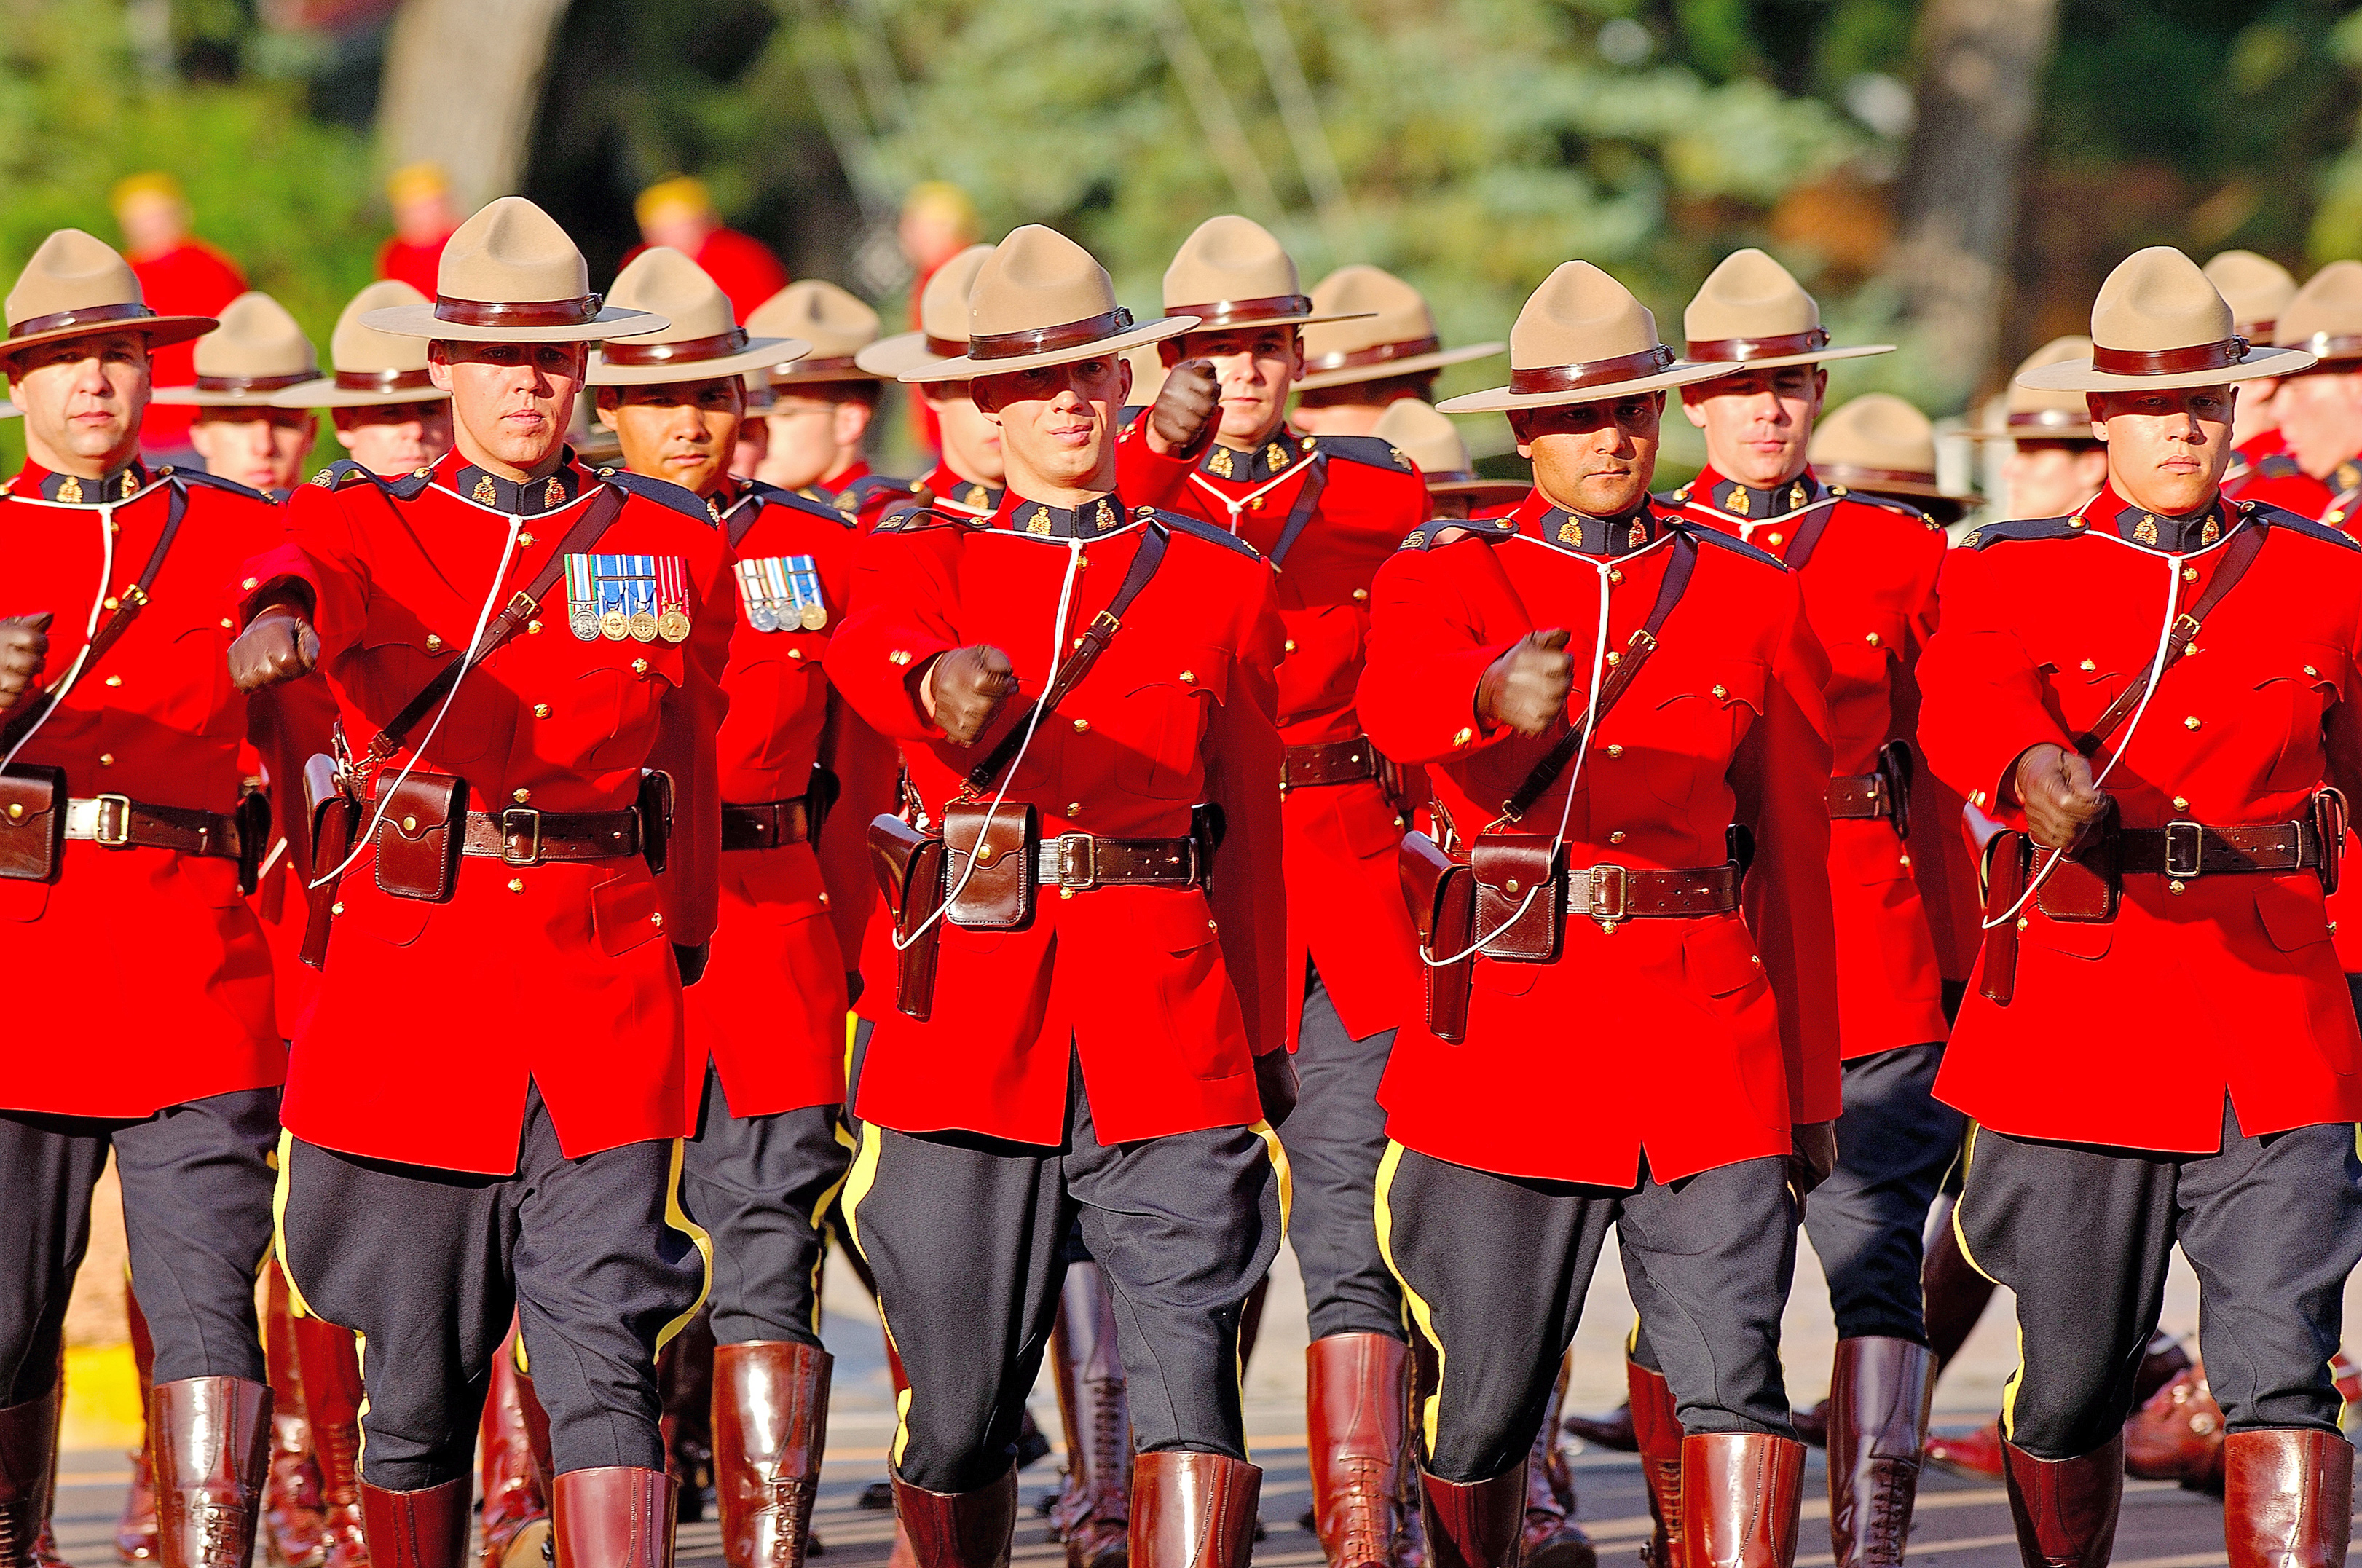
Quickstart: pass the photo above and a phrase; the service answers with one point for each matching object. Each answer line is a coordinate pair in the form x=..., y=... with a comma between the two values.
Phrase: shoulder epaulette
x=1373, y=451
x=2298, y=523
x=1735, y=545
x=916, y=519
x=343, y=471
x=2279, y=465
x=214, y=482
x=664, y=493
x=772, y=495
x=858, y=496
x=1431, y=534
x=1674, y=498
x=1987, y=534
x=1884, y=503
x=1197, y=528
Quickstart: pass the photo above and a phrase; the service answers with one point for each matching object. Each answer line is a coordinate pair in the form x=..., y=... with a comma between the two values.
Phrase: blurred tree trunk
x=1980, y=87
x=462, y=84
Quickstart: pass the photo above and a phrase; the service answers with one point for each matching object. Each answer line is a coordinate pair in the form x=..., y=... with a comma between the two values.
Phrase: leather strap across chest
x=2238, y=557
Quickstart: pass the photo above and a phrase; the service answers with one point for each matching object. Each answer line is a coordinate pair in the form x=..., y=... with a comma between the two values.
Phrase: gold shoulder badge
x=1040, y=521
x=1107, y=515
x=1396, y=453
x=2209, y=534
x=1570, y=533
x=1221, y=462
x=714, y=509
x=421, y=473
x=975, y=495
x=71, y=490
x=487, y=493
x=325, y=478
x=1275, y=457
x=1840, y=490
x=129, y=487
x=1974, y=535
x=2145, y=531
x=1682, y=496
x=1310, y=442
x=846, y=503
x=1415, y=540
x=1143, y=512
x=554, y=493
x=1796, y=496
x=1737, y=502
x=1638, y=536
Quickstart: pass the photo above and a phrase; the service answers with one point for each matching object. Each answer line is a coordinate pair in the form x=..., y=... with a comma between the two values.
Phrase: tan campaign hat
x=74, y=285
x=1432, y=442
x=942, y=320
x=368, y=367
x=2257, y=288
x=257, y=352
x=1039, y=299
x=1232, y=272
x=2033, y=413
x=1877, y=442
x=2160, y=324
x=1583, y=338
x=702, y=339
x=511, y=275
x=835, y=325
x=1750, y=314
x=2325, y=319
x=1388, y=331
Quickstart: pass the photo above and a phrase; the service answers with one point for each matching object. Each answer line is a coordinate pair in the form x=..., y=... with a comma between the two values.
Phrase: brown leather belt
x=768, y=826
x=523, y=836
x=118, y=821
x=1612, y=893
x=2187, y=850
x=1076, y=861
x=1861, y=795
x=1331, y=762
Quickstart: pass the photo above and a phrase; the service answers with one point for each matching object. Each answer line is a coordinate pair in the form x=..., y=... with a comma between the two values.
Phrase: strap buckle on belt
x=1608, y=893
x=521, y=822
x=120, y=837
x=1073, y=860
x=2185, y=850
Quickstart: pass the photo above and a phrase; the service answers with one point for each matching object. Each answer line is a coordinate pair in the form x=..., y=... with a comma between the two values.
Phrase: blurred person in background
x=424, y=217
x=823, y=405
x=2258, y=289
x=2055, y=463
x=2318, y=471
x=678, y=211
x=179, y=275
x=391, y=417
x=938, y=223
x=257, y=352
x=1386, y=349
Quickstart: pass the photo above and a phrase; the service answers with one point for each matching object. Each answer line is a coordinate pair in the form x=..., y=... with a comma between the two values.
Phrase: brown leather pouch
x=2006, y=867
x=989, y=862
x=32, y=823
x=908, y=865
x=419, y=835
x=2329, y=824
x=2085, y=887
x=1520, y=895
x=1441, y=892
x=333, y=818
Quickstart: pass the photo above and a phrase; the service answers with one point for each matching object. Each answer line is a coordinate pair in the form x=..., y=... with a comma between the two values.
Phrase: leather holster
x=1441, y=893
x=333, y=818
x=2329, y=821
x=420, y=833
x=1521, y=924
x=2006, y=867
x=990, y=853
x=32, y=823
x=1896, y=767
x=655, y=817
x=254, y=837
x=908, y=865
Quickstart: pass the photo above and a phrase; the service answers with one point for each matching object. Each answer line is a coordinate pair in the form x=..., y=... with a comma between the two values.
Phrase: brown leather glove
x=24, y=654
x=1182, y=420
x=278, y=645
x=1525, y=688
x=2062, y=802
x=1812, y=1157
x=1276, y=1085
x=967, y=687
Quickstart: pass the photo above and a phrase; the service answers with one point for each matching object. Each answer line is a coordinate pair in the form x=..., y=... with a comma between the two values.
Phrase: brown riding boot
x=617, y=1515
x=957, y=1529
x=1477, y=1524
x=293, y=1511
x=516, y=1500
x=1742, y=1496
x=2177, y=1435
x=685, y=1381
x=1551, y=1538
x=1093, y=1511
x=770, y=1422
x=28, y=1446
x=210, y=1441
x=331, y=1369
x=1612, y=1432
x=902, y=1554
x=426, y=1528
x=135, y=1534
x=45, y=1541
x=1354, y=1397
x=2065, y=1509
x=1657, y=1426
x=1193, y=1511
x=1954, y=1292
x=2287, y=1498
x=1879, y=1396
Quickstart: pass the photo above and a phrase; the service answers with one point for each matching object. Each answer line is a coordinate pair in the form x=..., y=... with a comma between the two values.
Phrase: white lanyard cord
x=1240, y=505
x=90, y=629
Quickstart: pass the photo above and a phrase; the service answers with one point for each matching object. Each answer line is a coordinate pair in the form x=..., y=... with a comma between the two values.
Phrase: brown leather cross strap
x=117, y=822
x=1619, y=678
x=1329, y=762
x=1857, y=795
x=523, y=836
x=2187, y=850
x=1612, y=893
x=767, y=825
x=1081, y=860
x=2238, y=557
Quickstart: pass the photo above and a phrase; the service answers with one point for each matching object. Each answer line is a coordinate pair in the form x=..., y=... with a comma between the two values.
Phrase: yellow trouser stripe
x=1961, y=1236
x=295, y=1301
x=819, y=1213
x=1421, y=1312
x=677, y=1218
x=857, y=1182
x=1278, y=1152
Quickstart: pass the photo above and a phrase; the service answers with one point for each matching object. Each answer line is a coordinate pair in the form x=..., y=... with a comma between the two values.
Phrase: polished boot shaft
x=616, y=1515
x=1742, y=1496
x=1657, y=1430
x=1551, y=1538
x=1093, y=1511
x=770, y=1423
x=209, y=1439
x=1478, y=1524
x=426, y=1529
x=959, y=1530
x=330, y=1364
x=1879, y=1395
x=1193, y=1511
x=2287, y=1498
x=28, y=1434
x=516, y=1501
x=294, y=1511
x=2065, y=1509
x=1356, y=1396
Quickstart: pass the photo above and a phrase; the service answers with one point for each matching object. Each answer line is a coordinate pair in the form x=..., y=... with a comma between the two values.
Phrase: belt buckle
x=1071, y=848
x=121, y=837
x=516, y=820
x=2185, y=850
x=1610, y=912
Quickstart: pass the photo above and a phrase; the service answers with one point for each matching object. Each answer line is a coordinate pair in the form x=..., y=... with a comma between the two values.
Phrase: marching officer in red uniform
x=239, y=430
x=1435, y=447
x=1593, y=867
x=2258, y=289
x=823, y=405
x=967, y=478
x=2151, y=694
x=124, y=849
x=767, y=1024
x=390, y=417
x=2319, y=472
x=1878, y=445
x=1376, y=345
x=528, y=782
x=1867, y=567
x=1087, y=1030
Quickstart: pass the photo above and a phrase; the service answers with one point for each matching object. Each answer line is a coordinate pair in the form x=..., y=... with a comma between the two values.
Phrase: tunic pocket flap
x=624, y=915
x=1720, y=957
x=2294, y=916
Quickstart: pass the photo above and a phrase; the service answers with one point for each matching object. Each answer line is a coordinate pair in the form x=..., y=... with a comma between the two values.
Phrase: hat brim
x=2077, y=375
x=888, y=357
x=1501, y=400
x=967, y=369
x=1408, y=365
x=760, y=353
x=2078, y=431
x=162, y=331
x=197, y=397
x=326, y=393
x=1817, y=357
x=1854, y=479
x=10, y=410
x=420, y=321
x=1481, y=490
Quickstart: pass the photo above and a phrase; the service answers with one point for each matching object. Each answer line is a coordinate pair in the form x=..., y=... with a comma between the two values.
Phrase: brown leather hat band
x=1048, y=339
x=2051, y=419
x=253, y=383
x=946, y=347
x=89, y=316
x=1410, y=347
x=1738, y=350
x=836, y=366
x=2333, y=345
x=1590, y=373
x=686, y=351
x=1854, y=473
x=2218, y=356
x=578, y=312
x=1220, y=313
x=382, y=381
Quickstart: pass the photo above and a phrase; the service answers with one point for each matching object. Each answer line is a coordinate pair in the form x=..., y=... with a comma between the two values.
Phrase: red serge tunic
x=2264, y=471
x=1687, y=1040
x=1867, y=569
x=431, y=1018
x=1327, y=513
x=1163, y=993
x=143, y=979
x=2130, y=1033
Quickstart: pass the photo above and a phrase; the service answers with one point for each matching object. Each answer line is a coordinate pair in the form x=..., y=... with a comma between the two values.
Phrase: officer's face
x=971, y=441
x=1593, y=458
x=2167, y=448
x=686, y=431
x=1254, y=367
x=261, y=448
x=1057, y=424
x=1758, y=423
x=510, y=402
x=2051, y=478
x=83, y=399
x=395, y=438
x=812, y=436
x=2321, y=414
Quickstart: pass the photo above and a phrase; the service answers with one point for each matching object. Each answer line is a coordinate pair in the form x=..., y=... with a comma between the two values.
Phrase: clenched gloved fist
x=1276, y=1085
x=2062, y=802
x=1525, y=688
x=965, y=688
x=1182, y=419
x=1812, y=1159
x=24, y=654
x=278, y=645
